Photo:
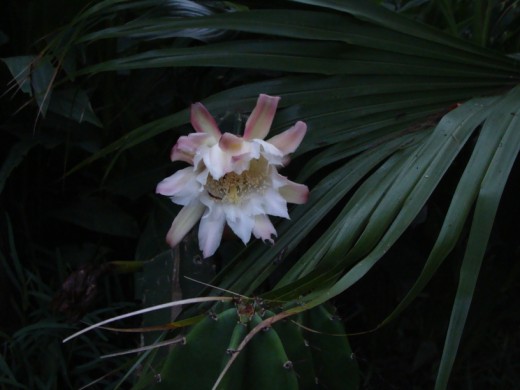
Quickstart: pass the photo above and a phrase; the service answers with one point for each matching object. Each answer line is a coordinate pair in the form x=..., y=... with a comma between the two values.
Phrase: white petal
x=217, y=162
x=173, y=183
x=264, y=229
x=253, y=206
x=270, y=152
x=259, y=122
x=183, y=222
x=203, y=122
x=202, y=177
x=182, y=187
x=242, y=227
x=277, y=180
x=275, y=204
x=241, y=162
x=210, y=231
x=231, y=211
x=288, y=141
x=268, y=147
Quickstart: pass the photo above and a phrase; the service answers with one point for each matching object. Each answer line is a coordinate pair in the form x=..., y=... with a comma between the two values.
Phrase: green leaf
x=20, y=68
x=370, y=12
x=299, y=56
x=485, y=211
x=464, y=197
x=371, y=85
x=416, y=179
x=34, y=76
x=74, y=103
x=324, y=196
x=352, y=219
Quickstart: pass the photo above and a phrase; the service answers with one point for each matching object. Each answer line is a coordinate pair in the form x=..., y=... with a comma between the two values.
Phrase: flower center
x=233, y=187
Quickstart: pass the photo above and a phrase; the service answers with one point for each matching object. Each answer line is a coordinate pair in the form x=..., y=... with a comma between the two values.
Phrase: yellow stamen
x=233, y=187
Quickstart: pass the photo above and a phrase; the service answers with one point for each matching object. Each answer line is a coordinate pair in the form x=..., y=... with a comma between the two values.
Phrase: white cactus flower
x=232, y=179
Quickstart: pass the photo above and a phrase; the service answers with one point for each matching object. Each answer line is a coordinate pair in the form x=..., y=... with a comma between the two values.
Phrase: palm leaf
x=490, y=192
x=372, y=87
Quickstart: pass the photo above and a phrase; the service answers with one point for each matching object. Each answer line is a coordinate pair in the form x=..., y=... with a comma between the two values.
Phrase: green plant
x=391, y=105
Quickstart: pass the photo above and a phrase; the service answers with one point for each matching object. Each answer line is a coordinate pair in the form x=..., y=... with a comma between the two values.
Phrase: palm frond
x=390, y=105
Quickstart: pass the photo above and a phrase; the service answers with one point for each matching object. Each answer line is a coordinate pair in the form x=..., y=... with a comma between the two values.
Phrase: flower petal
x=217, y=162
x=210, y=231
x=275, y=204
x=263, y=228
x=294, y=192
x=203, y=122
x=187, y=146
x=183, y=222
x=242, y=227
x=232, y=144
x=288, y=141
x=259, y=122
x=241, y=162
x=269, y=150
x=181, y=155
x=252, y=206
x=182, y=187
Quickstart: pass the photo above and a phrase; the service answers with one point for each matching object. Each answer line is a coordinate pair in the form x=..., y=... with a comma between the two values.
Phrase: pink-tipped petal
x=263, y=228
x=187, y=146
x=176, y=182
x=259, y=122
x=203, y=122
x=210, y=231
x=294, y=192
x=183, y=222
x=182, y=187
x=180, y=155
x=288, y=141
x=231, y=144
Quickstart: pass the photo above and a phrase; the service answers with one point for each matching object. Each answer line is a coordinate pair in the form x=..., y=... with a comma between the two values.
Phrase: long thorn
x=148, y=309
